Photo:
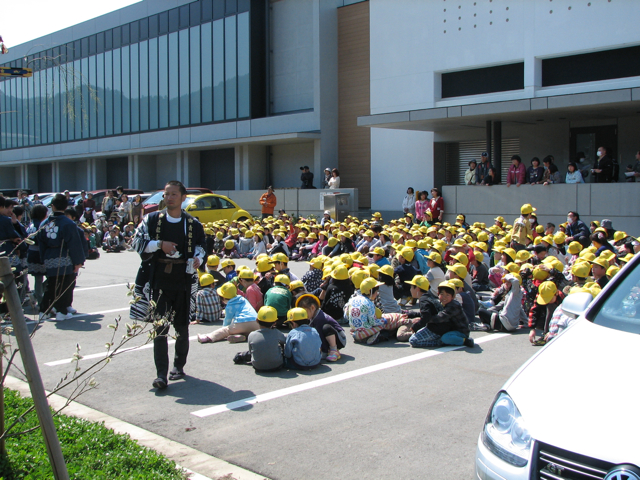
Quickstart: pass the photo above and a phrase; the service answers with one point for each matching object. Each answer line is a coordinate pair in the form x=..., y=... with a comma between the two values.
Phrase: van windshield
x=621, y=310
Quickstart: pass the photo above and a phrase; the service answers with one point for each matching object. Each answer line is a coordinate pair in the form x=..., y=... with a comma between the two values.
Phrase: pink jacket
x=516, y=174
x=253, y=296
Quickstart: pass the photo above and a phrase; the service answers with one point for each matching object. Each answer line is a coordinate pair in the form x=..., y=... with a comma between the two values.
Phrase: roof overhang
x=574, y=107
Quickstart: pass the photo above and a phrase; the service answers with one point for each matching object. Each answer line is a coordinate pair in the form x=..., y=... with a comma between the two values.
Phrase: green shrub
x=91, y=450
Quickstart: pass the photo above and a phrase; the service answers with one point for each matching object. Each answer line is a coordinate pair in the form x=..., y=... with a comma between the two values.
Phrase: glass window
x=125, y=34
x=154, y=26
x=218, y=70
x=12, y=113
x=243, y=5
x=86, y=101
x=126, y=92
x=163, y=80
x=108, y=40
x=77, y=50
x=93, y=98
x=153, y=83
x=231, y=7
x=226, y=203
x=184, y=16
x=3, y=108
x=135, y=96
x=92, y=45
x=84, y=47
x=195, y=70
x=174, y=20
x=25, y=111
x=43, y=105
x=77, y=93
x=134, y=27
x=231, y=86
x=117, y=92
x=207, y=85
x=49, y=100
x=117, y=37
x=144, y=86
x=100, y=89
x=184, y=77
x=108, y=92
x=194, y=13
x=243, y=66
x=100, y=42
x=218, y=9
x=621, y=307
x=174, y=92
x=32, y=107
x=144, y=28
x=207, y=10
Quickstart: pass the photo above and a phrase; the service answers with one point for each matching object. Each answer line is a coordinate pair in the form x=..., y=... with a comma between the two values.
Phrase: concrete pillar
x=146, y=176
x=191, y=168
x=55, y=176
x=179, y=175
x=318, y=167
x=238, y=166
x=100, y=171
x=133, y=171
x=32, y=177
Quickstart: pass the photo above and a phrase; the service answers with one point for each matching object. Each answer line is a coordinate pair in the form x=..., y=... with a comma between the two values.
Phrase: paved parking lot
x=383, y=411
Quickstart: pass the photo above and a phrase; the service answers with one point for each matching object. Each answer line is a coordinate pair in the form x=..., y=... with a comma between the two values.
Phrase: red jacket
x=516, y=174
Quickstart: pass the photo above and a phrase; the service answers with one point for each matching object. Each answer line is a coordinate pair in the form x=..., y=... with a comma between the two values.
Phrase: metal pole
x=497, y=148
x=33, y=373
x=488, y=138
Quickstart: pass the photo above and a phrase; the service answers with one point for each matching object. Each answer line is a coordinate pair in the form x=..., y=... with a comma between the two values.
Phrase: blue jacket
x=60, y=245
x=422, y=262
x=238, y=310
x=303, y=345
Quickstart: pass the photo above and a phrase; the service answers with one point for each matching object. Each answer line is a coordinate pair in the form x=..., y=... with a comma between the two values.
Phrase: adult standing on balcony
x=334, y=181
x=306, y=177
x=517, y=171
x=482, y=170
x=603, y=167
x=268, y=201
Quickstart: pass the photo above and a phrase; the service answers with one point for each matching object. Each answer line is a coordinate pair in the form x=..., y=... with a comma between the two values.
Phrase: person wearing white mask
x=603, y=167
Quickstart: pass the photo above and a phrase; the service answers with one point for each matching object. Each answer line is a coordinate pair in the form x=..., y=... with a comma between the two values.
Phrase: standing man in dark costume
x=171, y=244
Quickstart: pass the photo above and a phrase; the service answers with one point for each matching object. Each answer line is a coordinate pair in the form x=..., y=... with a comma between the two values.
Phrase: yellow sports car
x=211, y=207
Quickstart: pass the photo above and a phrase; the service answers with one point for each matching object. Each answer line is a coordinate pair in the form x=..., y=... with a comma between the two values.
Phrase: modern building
x=238, y=94
x=227, y=94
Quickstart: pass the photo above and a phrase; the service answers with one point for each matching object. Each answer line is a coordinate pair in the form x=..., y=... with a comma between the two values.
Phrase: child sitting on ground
x=265, y=345
x=239, y=318
x=331, y=333
x=230, y=250
x=208, y=304
x=229, y=269
x=212, y=269
x=279, y=297
x=302, y=351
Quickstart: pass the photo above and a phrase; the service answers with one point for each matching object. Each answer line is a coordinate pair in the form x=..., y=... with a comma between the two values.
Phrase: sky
x=24, y=20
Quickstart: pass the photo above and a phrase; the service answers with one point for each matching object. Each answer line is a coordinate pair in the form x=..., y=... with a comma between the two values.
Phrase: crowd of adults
x=364, y=275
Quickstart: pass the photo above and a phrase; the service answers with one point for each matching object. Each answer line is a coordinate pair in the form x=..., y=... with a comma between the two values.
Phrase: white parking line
x=206, y=412
x=96, y=288
x=104, y=354
x=77, y=315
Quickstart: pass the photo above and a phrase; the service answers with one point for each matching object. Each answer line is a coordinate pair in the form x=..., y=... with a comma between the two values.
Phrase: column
x=238, y=167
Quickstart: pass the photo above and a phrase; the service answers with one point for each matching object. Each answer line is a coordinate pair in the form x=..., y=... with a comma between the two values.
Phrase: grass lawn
x=91, y=450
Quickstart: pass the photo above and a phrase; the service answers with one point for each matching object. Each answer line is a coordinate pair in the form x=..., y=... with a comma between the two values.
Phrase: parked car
x=155, y=201
x=570, y=412
x=13, y=192
x=211, y=207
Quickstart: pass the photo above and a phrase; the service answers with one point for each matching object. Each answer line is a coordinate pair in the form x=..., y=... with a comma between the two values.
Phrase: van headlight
x=505, y=433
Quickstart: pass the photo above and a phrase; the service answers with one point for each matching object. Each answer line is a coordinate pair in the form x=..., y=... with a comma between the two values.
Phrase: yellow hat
x=526, y=209
x=296, y=314
x=411, y=244
x=447, y=284
x=358, y=276
x=296, y=284
x=510, y=252
x=378, y=251
x=612, y=270
x=478, y=255
x=332, y=242
x=457, y=282
x=499, y=219
x=316, y=263
x=627, y=258
x=227, y=262
x=462, y=258
x=283, y=279
x=587, y=255
x=559, y=238
x=264, y=265
x=512, y=267
x=280, y=257
x=369, y=284
x=267, y=314
x=523, y=256
x=619, y=235
x=387, y=270
x=420, y=281
x=228, y=291
x=601, y=261
x=459, y=269
x=607, y=255
x=540, y=274
x=229, y=244
x=459, y=243
x=539, y=229
x=340, y=272
x=548, y=239
x=435, y=257
x=546, y=292
x=574, y=247
x=213, y=260
x=407, y=254
x=245, y=274
x=206, y=279
x=581, y=269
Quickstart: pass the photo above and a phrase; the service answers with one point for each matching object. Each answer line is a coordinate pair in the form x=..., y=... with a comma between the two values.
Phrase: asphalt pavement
x=382, y=411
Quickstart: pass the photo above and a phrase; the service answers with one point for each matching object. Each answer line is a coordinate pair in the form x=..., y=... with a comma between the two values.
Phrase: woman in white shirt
x=409, y=202
x=334, y=181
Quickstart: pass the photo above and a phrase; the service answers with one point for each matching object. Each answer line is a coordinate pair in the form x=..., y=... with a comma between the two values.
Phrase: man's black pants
x=58, y=292
x=174, y=305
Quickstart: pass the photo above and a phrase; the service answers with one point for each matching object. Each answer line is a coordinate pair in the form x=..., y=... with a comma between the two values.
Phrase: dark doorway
x=118, y=172
x=588, y=139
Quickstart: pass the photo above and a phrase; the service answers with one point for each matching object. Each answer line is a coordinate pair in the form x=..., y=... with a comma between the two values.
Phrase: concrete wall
x=615, y=201
x=399, y=159
x=293, y=200
x=9, y=177
x=291, y=42
x=286, y=161
x=415, y=41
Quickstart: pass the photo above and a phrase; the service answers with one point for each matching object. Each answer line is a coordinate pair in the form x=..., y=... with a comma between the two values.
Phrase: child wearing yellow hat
x=547, y=300
x=302, y=350
x=208, y=304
